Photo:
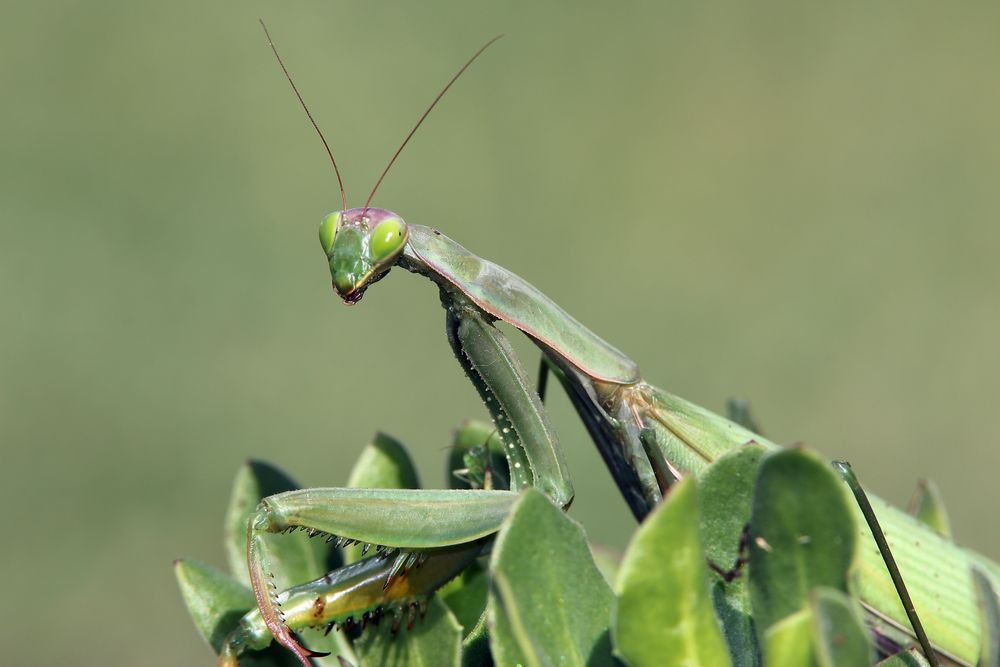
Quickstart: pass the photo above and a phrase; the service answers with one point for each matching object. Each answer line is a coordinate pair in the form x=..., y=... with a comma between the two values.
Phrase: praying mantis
x=649, y=440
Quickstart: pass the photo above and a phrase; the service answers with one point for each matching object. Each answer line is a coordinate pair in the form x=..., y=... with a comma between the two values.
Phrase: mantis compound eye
x=387, y=238
x=327, y=230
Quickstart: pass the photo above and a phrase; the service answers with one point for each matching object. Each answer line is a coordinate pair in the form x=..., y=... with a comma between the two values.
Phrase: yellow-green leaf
x=664, y=614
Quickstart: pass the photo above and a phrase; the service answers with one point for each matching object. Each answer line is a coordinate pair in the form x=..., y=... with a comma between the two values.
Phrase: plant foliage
x=752, y=563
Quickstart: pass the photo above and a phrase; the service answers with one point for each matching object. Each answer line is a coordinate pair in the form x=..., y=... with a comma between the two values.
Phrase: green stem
x=844, y=468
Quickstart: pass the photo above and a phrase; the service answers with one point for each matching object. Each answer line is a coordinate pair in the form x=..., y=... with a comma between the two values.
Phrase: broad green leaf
x=549, y=605
x=294, y=559
x=911, y=658
x=664, y=614
x=928, y=506
x=383, y=464
x=725, y=491
x=511, y=642
x=840, y=636
x=989, y=613
x=215, y=600
x=827, y=633
x=802, y=535
x=465, y=595
x=790, y=642
x=434, y=641
x=476, y=645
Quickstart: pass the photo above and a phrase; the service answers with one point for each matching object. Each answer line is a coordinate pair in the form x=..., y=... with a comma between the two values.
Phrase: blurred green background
x=793, y=202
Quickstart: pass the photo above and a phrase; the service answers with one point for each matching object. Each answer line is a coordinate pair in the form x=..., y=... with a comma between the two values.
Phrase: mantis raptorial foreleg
x=517, y=411
x=422, y=539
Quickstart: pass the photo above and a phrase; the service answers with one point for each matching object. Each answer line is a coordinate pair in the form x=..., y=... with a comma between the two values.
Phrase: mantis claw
x=264, y=591
x=412, y=558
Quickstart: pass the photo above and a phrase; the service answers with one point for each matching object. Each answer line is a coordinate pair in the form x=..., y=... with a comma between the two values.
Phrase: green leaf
x=928, y=506
x=790, y=641
x=664, y=614
x=549, y=605
x=383, y=464
x=802, y=535
x=989, y=613
x=465, y=595
x=434, y=641
x=476, y=645
x=725, y=492
x=215, y=600
x=911, y=658
x=827, y=633
x=840, y=636
x=293, y=557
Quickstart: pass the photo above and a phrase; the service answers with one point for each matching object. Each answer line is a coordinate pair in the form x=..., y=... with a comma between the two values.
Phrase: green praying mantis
x=648, y=438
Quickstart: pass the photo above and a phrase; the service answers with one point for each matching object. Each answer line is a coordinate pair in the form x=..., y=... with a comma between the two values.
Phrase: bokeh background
x=792, y=202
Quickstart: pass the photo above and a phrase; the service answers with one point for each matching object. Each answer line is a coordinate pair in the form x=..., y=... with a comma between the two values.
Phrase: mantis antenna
x=340, y=181
x=424, y=116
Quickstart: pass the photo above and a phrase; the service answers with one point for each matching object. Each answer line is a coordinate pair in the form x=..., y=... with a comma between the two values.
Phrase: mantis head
x=361, y=246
